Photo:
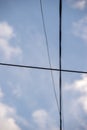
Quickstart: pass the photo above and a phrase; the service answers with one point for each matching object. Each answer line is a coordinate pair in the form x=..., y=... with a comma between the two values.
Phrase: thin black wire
x=27, y=66
x=42, y=68
x=60, y=67
x=49, y=59
x=60, y=64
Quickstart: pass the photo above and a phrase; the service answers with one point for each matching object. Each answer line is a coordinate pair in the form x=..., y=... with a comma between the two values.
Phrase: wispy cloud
x=43, y=120
x=6, y=31
x=6, y=119
x=77, y=101
x=80, y=28
x=83, y=102
x=7, y=50
x=9, y=117
x=7, y=114
x=78, y=4
x=81, y=87
x=1, y=93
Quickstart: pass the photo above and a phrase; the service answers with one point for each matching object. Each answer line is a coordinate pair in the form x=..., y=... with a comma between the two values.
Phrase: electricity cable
x=49, y=59
x=42, y=68
x=60, y=58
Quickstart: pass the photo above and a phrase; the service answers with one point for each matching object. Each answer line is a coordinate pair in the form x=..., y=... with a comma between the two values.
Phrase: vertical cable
x=60, y=66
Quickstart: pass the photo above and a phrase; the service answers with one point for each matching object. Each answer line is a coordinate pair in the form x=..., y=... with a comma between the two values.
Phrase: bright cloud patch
x=43, y=120
x=83, y=102
x=1, y=93
x=7, y=116
x=40, y=117
x=79, y=87
x=76, y=103
x=7, y=122
x=78, y=4
x=6, y=49
x=6, y=31
x=80, y=28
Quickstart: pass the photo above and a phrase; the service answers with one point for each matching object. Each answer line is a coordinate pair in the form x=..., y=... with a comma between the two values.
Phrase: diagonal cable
x=44, y=29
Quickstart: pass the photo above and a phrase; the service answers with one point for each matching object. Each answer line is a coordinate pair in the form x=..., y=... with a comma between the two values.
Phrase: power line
x=49, y=59
x=60, y=66
x=27, y=66
x=42, y=68
x=60, y=57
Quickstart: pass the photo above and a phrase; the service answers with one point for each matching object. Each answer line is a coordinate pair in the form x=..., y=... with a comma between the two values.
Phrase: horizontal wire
x=74, y=71
x=42, y=68
x=26, y=66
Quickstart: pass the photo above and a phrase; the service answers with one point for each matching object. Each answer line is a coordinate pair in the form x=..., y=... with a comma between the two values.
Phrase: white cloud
x=40, y=117
x=1, y=93
x=83, y=102
x=75, y=99
x=6, y=49
x=7, y=122
x=80, y=28
x=8, y=117
x=80, y=87
x=43, y=120
x=6, y=31
x=78, y=4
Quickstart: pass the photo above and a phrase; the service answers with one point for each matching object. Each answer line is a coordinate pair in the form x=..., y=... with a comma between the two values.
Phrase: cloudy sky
x=27, y=101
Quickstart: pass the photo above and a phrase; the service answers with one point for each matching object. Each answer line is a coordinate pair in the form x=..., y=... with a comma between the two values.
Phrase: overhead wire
x=49, y=59
x=42, y=68
x=60, y=65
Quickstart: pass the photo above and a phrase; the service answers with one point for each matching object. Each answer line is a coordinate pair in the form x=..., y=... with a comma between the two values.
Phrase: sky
x=27, y=100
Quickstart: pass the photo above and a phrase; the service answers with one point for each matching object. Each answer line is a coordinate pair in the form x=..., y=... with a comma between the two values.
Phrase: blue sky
x=27, y=100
